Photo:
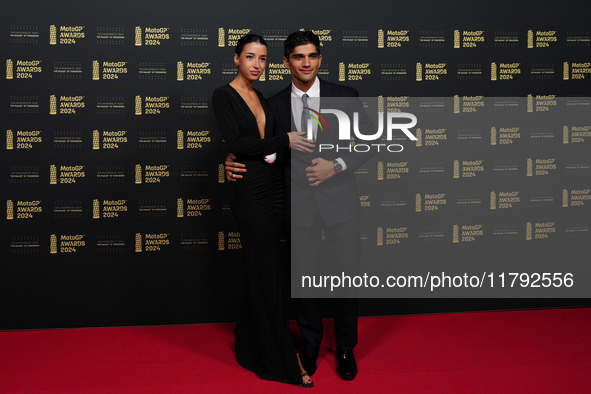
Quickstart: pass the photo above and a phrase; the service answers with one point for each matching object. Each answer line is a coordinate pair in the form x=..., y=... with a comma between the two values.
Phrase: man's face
x=303, y=63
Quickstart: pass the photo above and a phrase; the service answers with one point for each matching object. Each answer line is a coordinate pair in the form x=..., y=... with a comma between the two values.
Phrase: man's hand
x=301, y=143
x=321, y=170
x=233, y=169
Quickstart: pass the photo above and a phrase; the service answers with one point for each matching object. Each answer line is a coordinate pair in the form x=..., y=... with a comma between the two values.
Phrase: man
x=321, y=191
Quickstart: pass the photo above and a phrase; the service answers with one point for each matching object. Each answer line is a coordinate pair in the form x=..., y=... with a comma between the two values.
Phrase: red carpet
x=542, y=351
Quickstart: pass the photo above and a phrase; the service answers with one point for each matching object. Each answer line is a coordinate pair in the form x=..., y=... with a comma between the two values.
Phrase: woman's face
x=252, y=61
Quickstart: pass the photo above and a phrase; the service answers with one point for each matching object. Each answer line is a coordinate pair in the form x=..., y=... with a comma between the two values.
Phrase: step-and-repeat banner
x=116, y=206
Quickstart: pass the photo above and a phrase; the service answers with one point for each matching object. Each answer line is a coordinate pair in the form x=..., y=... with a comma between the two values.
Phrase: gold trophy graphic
x=493, y=135
x=528, y=231
x=95, y=140
x=493, y=200
x=138, y=243
x=180, y=211
x=263, y=76
x=530, y=39
x=456, y=39
x=493, y=71
x=9, y=139
x=9, y=69
x=419, y=137
x=95, y=70
x=52, y=35
x=52, y=244
x=138, y=174
x=564, y=198
x=52, y=175
x=456, y=169
x=52, y=105
x=221, y=245
x=221, y=173
x=380, y=38
x=138, y=36
x=380, y=236
x=565, y=71
x=418, y=207
x=180, y=72
x=530, y=103
x=419, y=72
x=380, y=170
x=180, y=144
x=341, y=72
x=96, y=209
x=456, y=104
x=456, y=234
x=565, y=135
x=380, y=105
x=9, y=210
x=530, y=167
x=221, y=37
x=138, y=105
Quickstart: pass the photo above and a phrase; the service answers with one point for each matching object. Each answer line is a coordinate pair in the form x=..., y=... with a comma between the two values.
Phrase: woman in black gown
x=264, y=343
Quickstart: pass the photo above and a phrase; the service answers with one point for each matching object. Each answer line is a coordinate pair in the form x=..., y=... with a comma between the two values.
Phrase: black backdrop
x=109, y=222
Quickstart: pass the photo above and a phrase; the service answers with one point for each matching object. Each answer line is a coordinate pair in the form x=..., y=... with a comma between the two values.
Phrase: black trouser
x=344, y=249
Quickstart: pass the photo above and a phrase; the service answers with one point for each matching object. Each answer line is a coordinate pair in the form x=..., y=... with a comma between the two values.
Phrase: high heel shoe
x=306, y=380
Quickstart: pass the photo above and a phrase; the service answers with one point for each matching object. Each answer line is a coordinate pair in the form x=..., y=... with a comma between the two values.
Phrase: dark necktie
x=305, y=115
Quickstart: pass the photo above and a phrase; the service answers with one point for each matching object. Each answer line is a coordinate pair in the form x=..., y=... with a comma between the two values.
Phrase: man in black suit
x=321, y=195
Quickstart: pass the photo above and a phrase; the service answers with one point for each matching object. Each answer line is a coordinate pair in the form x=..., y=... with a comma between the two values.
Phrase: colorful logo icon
x=316, y=119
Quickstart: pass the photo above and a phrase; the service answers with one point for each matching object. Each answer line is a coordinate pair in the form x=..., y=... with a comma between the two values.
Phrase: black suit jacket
x=337, y=199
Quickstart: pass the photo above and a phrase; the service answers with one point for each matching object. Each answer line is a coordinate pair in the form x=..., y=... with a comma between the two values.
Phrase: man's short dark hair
x=298, y=38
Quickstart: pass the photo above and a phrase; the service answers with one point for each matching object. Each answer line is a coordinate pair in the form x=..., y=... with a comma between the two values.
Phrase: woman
x=264, y=343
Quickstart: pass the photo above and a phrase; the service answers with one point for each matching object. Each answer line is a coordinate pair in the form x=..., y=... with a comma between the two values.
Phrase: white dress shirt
x=314, y=103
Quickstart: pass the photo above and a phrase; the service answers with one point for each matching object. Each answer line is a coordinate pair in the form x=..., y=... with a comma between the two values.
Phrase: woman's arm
x=239, y=144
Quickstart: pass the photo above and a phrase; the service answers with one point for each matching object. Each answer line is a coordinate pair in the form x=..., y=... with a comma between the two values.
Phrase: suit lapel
x=284, y=109
x=326, y=89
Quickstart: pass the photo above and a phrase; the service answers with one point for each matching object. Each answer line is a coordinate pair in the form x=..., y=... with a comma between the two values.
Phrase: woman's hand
x=233, y=168
x=298, y=142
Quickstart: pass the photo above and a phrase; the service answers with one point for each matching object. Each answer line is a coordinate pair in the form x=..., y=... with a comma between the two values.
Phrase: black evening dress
x=264, y=343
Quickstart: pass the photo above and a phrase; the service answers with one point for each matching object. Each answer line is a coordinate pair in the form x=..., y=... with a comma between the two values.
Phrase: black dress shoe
x=308, y=357
x=346, y=365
